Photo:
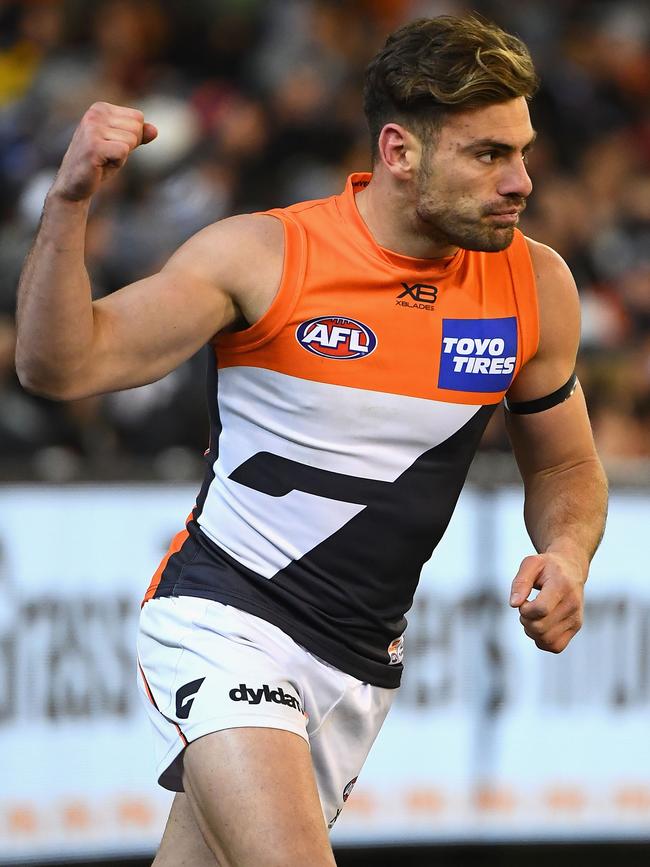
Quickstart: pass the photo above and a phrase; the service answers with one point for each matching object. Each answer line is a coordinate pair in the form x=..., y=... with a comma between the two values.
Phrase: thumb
x=525, y=579
x=149, y=133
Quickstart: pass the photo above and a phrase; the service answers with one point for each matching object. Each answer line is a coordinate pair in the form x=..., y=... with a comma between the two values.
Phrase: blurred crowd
x=258, y=104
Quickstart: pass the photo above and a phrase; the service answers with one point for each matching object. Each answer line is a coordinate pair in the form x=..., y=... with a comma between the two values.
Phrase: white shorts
x=205, y=666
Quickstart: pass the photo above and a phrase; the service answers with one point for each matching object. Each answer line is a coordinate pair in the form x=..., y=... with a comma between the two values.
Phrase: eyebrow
x=495, y=144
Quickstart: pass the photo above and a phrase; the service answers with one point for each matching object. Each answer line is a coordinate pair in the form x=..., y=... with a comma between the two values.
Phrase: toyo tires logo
x=336, y=337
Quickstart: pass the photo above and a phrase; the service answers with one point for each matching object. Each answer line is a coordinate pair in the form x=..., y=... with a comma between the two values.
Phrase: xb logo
x=421, y=295
x=185, y=697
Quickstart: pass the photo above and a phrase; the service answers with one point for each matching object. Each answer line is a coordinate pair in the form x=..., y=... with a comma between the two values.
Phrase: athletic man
x=361, y=344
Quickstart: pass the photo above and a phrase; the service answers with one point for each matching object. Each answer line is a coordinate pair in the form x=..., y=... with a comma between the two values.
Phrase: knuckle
x=99, y=108
x=576, y=598
x=541, y=609
x=534, y=630
x=548, y=646
x=575, y=628
x=531, y=633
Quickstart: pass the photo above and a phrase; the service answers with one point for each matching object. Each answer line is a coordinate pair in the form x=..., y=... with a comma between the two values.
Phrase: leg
x=254, y=796
x=182, y=844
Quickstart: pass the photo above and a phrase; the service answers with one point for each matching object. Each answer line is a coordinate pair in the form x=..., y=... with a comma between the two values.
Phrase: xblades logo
x=422, y=296
x=264, y=693
x=185, y=697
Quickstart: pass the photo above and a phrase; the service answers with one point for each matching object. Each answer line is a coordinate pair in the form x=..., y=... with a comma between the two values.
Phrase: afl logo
x=336, y=337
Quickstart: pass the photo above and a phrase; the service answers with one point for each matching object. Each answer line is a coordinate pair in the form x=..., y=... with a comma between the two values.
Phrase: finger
x=149, y=133
x=555, y=641
x=108, y=110
x=524, y=580
x=129, y=137
x=543, y=605
x=556, y=600
x=131, y=122
x=549, y=628
x=115, y=154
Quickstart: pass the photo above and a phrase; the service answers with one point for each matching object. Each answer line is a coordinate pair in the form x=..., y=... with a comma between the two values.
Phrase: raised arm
x=565, y=485
x=69, y=346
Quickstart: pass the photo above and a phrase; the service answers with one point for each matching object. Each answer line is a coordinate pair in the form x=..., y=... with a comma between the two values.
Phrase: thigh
x=205, y=668
x=182, y=844
x=254, y=796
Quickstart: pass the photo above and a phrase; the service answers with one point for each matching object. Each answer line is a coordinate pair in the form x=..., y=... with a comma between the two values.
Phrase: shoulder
x=559, y=326
x=235, y=239
x=241, y=256
x=557, y=296
x=552, y=274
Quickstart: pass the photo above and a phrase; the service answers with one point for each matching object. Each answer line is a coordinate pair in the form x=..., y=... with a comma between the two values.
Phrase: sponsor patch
x=396, y=651
x=256, y=695
x=346, y=795
x=478, y=354
x=348, y=789
x=336, y=337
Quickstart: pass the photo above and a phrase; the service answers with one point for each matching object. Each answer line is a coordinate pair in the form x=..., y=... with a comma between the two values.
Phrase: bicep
x=148, y=328
x=559, y=437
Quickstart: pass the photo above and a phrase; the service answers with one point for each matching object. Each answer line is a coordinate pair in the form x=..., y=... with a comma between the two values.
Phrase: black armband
x=525, y=407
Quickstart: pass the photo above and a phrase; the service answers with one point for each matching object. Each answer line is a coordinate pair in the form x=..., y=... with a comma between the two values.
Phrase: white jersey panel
x=362, y=434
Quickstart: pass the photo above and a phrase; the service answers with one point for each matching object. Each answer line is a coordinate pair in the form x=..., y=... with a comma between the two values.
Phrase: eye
x=487, y=157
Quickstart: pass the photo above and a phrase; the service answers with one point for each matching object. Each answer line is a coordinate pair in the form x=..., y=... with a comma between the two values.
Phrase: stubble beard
x=454, y=228
x=458, y=226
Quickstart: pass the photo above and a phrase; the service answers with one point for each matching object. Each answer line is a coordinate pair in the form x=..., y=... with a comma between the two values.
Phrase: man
x=361, y=344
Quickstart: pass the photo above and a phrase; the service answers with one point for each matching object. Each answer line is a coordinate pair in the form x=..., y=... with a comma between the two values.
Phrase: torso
x=343, y=424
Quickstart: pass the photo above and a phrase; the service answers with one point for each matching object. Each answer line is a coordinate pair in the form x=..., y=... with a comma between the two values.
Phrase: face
x=472, y=182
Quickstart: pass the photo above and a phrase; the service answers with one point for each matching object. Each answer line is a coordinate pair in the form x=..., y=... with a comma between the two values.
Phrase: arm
x=70, y=347
x=564, y=482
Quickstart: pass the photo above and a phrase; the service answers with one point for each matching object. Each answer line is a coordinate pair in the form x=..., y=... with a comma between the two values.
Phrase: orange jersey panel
x=456, y=330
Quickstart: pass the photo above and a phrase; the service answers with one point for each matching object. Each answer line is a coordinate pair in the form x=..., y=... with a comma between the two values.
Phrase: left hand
x=555, y=615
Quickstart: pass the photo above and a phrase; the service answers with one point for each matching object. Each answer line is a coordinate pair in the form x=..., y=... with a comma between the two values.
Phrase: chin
x=488, y=242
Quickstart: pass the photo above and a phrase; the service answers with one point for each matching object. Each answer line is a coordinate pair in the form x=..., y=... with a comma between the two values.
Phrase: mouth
x=509, y=214
x=505, y=218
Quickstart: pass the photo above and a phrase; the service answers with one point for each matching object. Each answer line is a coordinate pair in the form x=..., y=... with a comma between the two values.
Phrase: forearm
x=565, y=510
x=54, y=312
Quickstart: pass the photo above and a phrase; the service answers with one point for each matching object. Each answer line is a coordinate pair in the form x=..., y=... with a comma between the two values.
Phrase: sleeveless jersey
x=343, y=424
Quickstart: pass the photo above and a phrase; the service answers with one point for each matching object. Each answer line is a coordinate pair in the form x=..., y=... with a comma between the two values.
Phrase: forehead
x=507, y=122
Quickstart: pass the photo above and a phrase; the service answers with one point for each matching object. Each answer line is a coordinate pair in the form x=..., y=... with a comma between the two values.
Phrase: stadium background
x=258, y=105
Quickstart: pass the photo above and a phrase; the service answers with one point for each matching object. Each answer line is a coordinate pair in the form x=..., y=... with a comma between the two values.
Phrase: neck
x=390, y=215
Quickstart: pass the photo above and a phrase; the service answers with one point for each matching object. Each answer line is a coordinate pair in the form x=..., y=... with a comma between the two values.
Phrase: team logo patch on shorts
x=478, y=354
x=396, y=651
x=336, y=337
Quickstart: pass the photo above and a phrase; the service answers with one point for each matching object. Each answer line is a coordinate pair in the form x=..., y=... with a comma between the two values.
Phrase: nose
x=515, y=180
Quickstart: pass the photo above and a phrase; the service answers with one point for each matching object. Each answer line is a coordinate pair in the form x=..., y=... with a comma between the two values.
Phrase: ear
x=399, y=150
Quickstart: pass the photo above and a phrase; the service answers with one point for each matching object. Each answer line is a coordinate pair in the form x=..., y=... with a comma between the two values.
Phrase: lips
x=504, y=218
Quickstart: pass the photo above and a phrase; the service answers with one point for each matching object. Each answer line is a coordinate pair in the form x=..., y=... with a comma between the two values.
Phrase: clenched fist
x=105, y=137
x=555, y=615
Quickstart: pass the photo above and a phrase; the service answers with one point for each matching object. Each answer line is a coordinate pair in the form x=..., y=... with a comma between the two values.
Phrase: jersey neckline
x=347, y=206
